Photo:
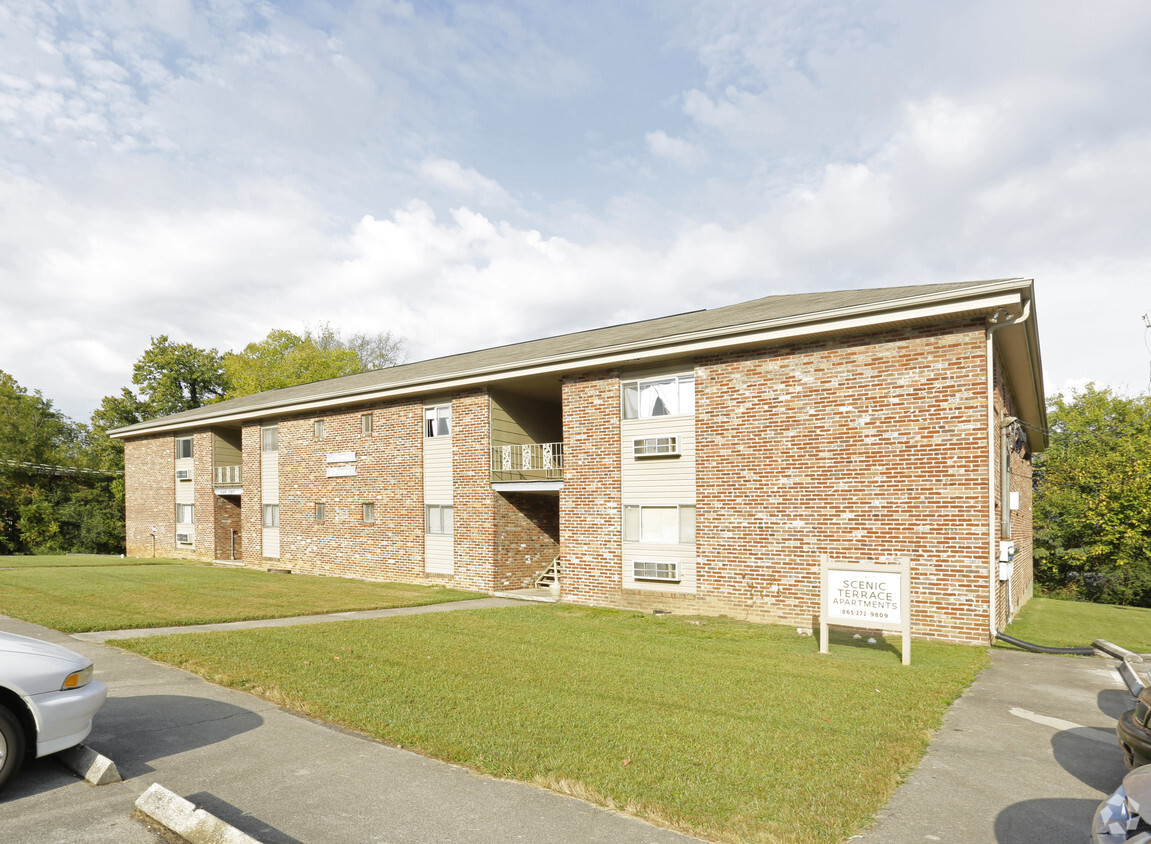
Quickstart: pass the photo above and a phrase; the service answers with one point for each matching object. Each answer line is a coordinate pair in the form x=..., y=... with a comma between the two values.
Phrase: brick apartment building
x=698, y=463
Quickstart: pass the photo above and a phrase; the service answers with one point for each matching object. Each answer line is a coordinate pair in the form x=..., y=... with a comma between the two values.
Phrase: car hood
x=13, y=644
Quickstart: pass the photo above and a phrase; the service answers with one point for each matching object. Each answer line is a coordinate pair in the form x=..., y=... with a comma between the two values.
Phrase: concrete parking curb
x=184, y=819
x=94, y=767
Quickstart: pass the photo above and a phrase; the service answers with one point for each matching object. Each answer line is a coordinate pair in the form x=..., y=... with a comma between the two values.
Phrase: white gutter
x=994, y=323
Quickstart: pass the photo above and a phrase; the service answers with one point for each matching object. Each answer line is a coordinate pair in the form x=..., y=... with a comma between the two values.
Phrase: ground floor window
x=186, y=514
x=439, y=518
x=271, y=515
x=659, y=524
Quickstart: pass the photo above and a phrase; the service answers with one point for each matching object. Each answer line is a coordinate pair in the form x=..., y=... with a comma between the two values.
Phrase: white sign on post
x=874, y=597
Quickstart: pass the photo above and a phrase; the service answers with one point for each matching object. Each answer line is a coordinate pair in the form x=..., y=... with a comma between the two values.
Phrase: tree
x=173, y=377
x=285, y=359
x=1093, y=498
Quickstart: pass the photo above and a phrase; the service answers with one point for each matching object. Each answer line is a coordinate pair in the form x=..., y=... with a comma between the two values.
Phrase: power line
x=49, y=469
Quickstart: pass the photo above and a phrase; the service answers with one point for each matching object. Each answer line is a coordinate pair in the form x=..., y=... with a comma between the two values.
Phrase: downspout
x=999, y=319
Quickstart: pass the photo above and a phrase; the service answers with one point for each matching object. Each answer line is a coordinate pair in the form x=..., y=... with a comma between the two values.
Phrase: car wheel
x=11, y=746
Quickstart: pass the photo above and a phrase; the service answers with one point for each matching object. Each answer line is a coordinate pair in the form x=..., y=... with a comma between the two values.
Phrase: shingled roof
x=571, y=351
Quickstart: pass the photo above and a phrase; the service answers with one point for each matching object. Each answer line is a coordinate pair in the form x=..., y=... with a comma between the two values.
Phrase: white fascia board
x=876, y=315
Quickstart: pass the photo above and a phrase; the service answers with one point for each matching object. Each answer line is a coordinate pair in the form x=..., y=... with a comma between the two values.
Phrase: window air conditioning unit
x=664, y=446
x=666, y=571
x=183, y=474
x=184, y=538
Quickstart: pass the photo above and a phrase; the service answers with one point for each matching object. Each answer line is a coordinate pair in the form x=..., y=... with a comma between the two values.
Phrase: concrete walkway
x=137, y=633
x=277, y=776
x=1023, y=757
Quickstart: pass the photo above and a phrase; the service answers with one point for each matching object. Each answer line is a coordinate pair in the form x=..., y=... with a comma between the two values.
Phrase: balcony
x=227, y=479
x=528, y=463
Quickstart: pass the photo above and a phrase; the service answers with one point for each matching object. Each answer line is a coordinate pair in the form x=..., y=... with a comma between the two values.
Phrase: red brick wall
x=389, y=474
x=150, y=495
x=590, y=502
x=251, y=514
x=229, y=517
x=472, y=497
x=527, y=537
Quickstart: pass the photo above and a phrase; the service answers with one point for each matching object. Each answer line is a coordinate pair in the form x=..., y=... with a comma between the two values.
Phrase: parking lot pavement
x=279, y=777
x=1023, y=757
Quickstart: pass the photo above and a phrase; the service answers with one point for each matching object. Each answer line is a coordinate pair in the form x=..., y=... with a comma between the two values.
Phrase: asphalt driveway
x=277, y=776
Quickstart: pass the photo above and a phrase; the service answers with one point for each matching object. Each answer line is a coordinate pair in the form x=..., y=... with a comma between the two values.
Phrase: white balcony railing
x=528, y=462
x=227, y=475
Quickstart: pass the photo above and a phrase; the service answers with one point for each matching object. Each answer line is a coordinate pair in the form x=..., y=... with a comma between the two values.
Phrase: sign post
x=874, y=597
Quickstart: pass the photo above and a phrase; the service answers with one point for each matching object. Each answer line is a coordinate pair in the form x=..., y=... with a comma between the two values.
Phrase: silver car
x=47, y=700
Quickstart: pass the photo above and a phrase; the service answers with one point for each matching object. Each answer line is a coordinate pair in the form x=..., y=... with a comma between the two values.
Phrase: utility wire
x=48, y=469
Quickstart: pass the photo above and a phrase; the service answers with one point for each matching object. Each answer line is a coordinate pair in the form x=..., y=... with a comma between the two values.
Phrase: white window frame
x=366, y=423
x=321, y=511
x=318, y=429
x=271, y=515
x=188, y=510
x=438, y=421
x=180, y=443
x=663, y=445
x=661, y=571
x=270, y=438
x=633, y=524
x=439, y=519
x=654, y=398
x=369, y=509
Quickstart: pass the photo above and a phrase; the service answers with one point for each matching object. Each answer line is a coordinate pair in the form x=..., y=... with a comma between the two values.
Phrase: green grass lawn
x=113, y=597
x=87, y=561
x=731, y=731
x=1068, y=624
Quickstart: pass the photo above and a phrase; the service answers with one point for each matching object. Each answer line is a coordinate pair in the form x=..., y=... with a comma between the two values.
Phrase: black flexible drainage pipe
x=1043, y=649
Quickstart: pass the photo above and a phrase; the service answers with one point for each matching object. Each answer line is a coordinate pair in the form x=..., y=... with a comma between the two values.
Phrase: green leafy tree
x=172, y=377
x=285, y=359
x=1093, y=499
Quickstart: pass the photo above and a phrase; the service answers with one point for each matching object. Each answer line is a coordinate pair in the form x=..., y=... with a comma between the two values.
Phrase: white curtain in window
x=659, y=525
x=657, y=398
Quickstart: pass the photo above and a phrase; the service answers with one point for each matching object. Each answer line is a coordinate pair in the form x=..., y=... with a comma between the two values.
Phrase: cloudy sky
x=472, y=174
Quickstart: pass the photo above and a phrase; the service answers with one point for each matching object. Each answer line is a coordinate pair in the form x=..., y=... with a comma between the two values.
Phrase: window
x=318, y=428
x=321, y=511
x=659, y=525
x=673, y=395
x=439, y=518
x=667, y=570
x=271, y=515
x=438, y=421
x=656, y=446
x=270, y=439
x=185, y=514
x=369, y=511
x=183, y=447
x=366, y=423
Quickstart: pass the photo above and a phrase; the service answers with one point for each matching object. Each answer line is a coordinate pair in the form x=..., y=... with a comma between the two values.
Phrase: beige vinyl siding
x=226, y=450
x=439, y=550
x=185, y=490
x=662, y=480
x=517, y=420
x=270, y=494
x=682, y=554
x=658, y=480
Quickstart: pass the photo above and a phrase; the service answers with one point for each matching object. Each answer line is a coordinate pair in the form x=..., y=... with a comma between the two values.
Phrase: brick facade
x=865, y=447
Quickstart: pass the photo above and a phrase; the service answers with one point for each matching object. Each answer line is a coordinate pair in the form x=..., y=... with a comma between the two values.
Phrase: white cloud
x=675, y=150
x=464, y=182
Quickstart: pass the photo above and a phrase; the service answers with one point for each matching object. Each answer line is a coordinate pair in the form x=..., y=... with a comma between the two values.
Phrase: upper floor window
x=438, y=421
x=270, y=439
x=318, y=428
x=365, y=423
x=183, y=447
x=672, y=395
